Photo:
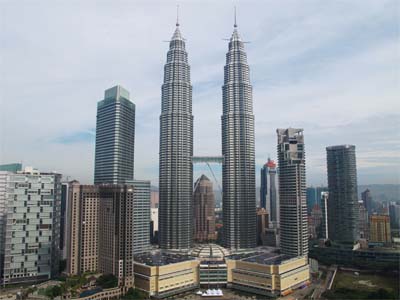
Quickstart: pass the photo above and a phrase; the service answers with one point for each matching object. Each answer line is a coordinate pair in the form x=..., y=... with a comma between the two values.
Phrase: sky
x=330, y=67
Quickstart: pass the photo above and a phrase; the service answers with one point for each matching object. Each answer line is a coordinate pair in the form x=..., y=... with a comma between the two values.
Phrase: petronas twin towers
x=176, y=150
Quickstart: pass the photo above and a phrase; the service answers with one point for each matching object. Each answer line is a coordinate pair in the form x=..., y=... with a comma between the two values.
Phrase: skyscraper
x=343, y=210
x=176, y=149
x=324, y=210
x=32, y=217
x=115, y=137
x=367, y=200
x=268, y=191
x=380, y=229
x=204, y=206
x=292, y=192
x=238, y=168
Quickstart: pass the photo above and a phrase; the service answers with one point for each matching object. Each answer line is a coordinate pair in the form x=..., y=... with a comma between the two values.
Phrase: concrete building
x=363, y=221
x=238, y=168
x=269, y=192
x=324, y=211
x=204, y=210
x=267, y=274
x=115, y=137
x=108, y=225
x=262, y=226
x=83, y=230
x=292, y=192
x=380, y=229
x=343, y=210
x=394, y=213
x=176, y=150
x=141, y=215
x=30, y=205
x=116, y=232
x=162, y=274
x=63, y=219
x=367, y=201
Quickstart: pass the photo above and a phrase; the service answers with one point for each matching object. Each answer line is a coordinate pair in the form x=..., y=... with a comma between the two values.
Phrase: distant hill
x=382, y=192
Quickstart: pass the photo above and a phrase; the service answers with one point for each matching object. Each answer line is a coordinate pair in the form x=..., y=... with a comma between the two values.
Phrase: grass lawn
x=347, y=285
x=371, y=282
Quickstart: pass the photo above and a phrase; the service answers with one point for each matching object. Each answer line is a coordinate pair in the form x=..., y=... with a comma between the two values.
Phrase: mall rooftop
x=160, y=258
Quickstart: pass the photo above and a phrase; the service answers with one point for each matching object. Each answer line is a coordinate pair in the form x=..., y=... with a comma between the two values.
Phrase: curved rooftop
x=209, y=251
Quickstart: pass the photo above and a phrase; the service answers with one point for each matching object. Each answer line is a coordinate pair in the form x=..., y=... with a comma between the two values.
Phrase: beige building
x=267, y=273
x=204, y=210
x=380, y=229
x=262, y=226
x=82, y=231
x=163, y=274
x=108, y=223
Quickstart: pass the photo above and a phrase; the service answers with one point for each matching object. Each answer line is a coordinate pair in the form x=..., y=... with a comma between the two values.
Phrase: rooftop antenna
x=177, y=15
x=235, y=24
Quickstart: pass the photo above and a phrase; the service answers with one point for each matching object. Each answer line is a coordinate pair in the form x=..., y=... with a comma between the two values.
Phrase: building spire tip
x=235, y=23
x=177, y=15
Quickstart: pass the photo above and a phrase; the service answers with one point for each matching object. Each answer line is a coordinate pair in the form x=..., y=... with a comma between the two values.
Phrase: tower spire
x=177, y=15
x=235, y=24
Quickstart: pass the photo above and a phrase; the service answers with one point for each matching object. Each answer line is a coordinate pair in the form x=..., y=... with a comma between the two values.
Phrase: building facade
x=262, y=226
x=363, y=221
x=394, y=213
x=343, y=210
x=292, y=192
x=204, y=210
x=238, y=168
x=324, y=211
x=176, y=150
x=116, y=226
x=269, y=192
x=141, y=215
x=83, y=230
x=380, y=229
x=367, y=201
x=31, y=231
x=115, y=137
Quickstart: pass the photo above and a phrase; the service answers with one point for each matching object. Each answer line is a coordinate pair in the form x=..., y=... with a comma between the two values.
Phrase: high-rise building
x=204, y=210
x=115, y=137
x=363, y=221
x=116, y=232
x=324, y=210
x=292, y=192
x=262, y=226
x=3, y=215
x=32, y=225
x=176, y=149
x=268, y=191
x=311, y=196
x=367, y=200
x=141, y=215
x=83, y=230
x=380, y=229
x=343, y=210
x=63, y=218
x=394, y=213
x=238, y=168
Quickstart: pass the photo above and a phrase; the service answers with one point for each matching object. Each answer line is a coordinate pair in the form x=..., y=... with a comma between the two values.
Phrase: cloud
x=330, y=68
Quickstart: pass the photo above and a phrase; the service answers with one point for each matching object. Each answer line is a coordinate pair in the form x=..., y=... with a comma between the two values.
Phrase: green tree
x=107, y=281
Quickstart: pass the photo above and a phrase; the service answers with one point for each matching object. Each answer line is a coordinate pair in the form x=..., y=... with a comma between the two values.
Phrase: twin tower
x=176, y=150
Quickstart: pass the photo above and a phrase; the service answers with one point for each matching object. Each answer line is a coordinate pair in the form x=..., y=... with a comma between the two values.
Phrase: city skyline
x=313, y=77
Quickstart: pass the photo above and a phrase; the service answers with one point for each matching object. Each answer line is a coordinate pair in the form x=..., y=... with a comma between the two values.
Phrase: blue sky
x=330, y=67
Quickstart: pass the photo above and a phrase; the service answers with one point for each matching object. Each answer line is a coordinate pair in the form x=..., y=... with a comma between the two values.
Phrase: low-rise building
x=162, y=274
x=267, y=273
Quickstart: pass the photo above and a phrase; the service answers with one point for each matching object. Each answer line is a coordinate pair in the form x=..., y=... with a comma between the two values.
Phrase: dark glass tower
x=292, y=192
x=268, y=191
x=238, y=169
x=343, y=210
x=176, y=149
x=115, y=137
